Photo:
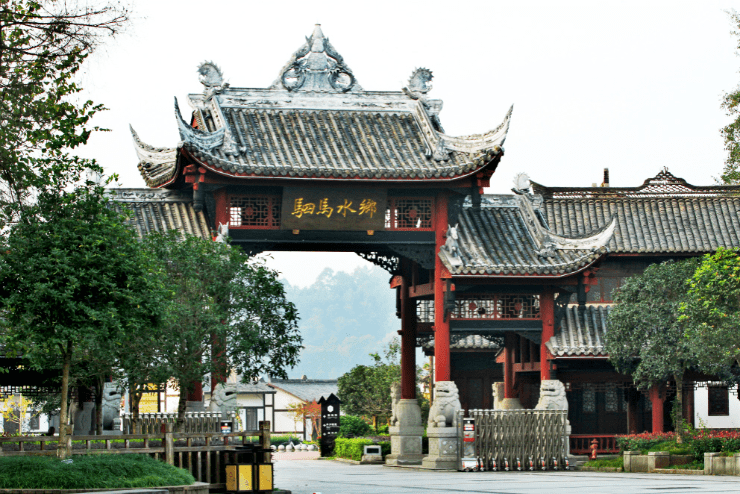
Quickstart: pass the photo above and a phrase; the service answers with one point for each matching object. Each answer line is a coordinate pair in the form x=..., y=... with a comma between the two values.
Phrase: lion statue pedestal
x=405, y=430
x=442, y=428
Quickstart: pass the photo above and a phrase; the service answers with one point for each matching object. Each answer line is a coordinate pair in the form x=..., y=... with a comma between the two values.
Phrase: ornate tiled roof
x=506, y=237
x=664, y=183
x=159, y=210
x=468, y=342
x=315, y=121
x=580, y=335
x=665, y=222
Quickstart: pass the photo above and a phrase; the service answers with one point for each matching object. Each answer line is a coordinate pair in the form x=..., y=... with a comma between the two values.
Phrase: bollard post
x=169, y=443
x=265, y=440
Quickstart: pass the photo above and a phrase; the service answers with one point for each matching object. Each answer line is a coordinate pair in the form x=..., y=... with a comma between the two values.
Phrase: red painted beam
x=547, y=312
x=441, y=324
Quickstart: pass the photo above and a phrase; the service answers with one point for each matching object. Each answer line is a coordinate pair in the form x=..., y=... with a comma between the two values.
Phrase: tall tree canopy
x=225, y=313
x=712, y=311
x=74, y=280
x=731, y=132
x=645, y=336
x=42, y=46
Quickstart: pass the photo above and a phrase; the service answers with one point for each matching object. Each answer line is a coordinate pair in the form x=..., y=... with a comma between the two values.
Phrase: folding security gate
x=512, y=440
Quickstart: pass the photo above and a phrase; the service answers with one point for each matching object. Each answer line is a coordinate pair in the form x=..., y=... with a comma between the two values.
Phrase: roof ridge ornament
x=212, y=78
x=317, y=66
x=420, y=83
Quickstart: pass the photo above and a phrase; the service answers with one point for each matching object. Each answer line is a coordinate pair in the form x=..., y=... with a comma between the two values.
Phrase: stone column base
x=405, y=445
x=510, y=404
x=443, y=444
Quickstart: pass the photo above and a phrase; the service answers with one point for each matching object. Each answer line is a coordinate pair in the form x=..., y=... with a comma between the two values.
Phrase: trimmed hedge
x=352, y=426
x=352, y=449
x=89, y=472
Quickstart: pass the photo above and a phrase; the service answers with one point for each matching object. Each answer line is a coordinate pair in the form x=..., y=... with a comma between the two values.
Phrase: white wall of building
x=701, y=411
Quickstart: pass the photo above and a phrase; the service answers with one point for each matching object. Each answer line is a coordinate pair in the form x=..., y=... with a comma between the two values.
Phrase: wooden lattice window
x=259, y=212
x=718, y=402
x=409, y=213
x=497, y=307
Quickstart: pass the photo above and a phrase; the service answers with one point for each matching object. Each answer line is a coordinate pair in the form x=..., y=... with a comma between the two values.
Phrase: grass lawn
x=613, y=463
x=89, y=472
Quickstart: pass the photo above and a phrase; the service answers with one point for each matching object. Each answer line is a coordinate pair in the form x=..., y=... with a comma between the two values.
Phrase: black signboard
x=333, y=209
x=329, y=423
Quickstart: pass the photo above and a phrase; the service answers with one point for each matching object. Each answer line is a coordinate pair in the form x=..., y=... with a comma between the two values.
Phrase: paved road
x=329, y=477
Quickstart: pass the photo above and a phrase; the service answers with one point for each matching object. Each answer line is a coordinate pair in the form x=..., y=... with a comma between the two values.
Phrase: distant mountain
x=344, y=318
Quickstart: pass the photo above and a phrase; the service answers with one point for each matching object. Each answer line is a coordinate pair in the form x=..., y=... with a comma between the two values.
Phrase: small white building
x=291, y=392
x=716, y=407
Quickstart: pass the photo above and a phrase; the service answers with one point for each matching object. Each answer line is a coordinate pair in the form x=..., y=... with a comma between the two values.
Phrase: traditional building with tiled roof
x=315, y=162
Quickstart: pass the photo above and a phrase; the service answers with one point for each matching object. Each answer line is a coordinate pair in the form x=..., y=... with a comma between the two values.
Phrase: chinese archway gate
x=316, y=163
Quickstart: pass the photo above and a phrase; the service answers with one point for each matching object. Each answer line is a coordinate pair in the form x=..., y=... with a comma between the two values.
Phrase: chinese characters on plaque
x=333, y=209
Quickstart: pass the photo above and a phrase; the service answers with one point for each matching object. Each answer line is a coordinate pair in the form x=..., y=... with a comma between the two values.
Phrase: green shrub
x=285, y=439
x=350, y=448
x=614, y=463
x=352, y=426
x=385, y=448
x=701, y=445
x=100, y=471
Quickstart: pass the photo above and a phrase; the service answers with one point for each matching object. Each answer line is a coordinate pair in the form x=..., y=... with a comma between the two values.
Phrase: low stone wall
x=719, y=464
x=635, y=462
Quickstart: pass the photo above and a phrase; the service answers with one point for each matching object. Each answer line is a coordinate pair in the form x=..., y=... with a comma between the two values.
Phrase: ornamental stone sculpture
x=223, y=399
x=446, y=403
x=552, y=396
x=395, y=399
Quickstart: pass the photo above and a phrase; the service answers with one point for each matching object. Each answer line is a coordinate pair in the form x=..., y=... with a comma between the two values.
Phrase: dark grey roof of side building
x=506, y=237
x=307, y=390
x=159, y=210
x=664, y=215
x=581, y=335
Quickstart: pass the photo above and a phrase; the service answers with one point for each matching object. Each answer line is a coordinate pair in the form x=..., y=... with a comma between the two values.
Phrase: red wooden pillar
x=657, y=403
x=217, y=347
x=222, y=207
x=408, y=342
x=509, y=347
x=441, y=326
x=197, y=393
x=547, y=311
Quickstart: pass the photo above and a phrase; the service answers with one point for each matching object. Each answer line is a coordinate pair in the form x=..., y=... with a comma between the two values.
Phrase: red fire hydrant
x=594, y=447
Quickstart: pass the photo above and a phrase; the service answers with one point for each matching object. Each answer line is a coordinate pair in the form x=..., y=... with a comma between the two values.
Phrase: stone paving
x=331, y=477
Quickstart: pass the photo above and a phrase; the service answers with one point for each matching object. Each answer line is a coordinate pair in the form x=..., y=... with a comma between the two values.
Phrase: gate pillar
x=657, y=401
x=441, y=323
x=408, y=341
x=547, y=311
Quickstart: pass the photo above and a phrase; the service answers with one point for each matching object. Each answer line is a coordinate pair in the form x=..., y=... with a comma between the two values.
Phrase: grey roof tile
x=306, y=389
x=160, y=210
x=581, y=335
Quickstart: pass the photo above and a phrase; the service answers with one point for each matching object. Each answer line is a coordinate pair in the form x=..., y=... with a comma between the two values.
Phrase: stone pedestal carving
x=442, y=428
x=553, y=397
x=443, y=444
x=405, y=434
x=501, y=403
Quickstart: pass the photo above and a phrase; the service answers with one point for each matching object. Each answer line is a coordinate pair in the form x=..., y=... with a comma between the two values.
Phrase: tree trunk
x=99, y=384
x=63, y=452
x=678, y=408
x=181, y=407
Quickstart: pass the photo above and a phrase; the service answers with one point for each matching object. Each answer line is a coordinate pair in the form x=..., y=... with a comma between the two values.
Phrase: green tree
x=366, y=389
x=712, y=312
x=731, y=132
x=645, y=337
x=225, y=313
x=42, y=46
x=73, y=275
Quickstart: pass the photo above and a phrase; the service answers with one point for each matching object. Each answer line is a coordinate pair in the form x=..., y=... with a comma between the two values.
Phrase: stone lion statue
x=395, y=398
x=552, y=396
x=111, y=406
x=446, y=404
x=498, y=394
x=223, y=398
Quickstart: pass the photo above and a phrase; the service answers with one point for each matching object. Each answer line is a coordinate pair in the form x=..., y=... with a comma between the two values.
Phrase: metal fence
x=195, y=422
x=512, y=440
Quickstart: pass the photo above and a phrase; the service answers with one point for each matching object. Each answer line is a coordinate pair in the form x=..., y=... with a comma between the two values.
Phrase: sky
x=633, y=86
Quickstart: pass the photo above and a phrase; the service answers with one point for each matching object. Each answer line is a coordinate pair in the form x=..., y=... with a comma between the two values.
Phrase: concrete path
x=330, y=477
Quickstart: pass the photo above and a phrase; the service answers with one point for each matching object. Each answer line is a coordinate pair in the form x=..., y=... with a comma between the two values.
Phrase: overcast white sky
x=631, y=85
